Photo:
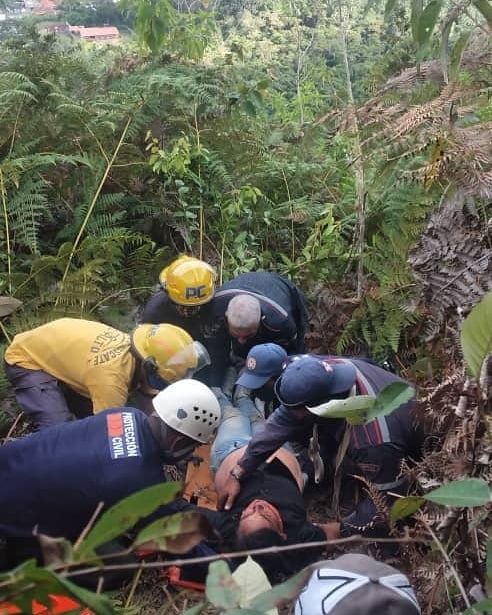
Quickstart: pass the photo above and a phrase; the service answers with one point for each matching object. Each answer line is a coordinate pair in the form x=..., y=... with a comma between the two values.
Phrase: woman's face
x=260, y=515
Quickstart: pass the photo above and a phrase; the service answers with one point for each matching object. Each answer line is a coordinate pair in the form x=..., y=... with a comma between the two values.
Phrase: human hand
x=228, y=493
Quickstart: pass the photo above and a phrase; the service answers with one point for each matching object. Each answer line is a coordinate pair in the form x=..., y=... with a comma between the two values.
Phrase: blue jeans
x=237, y=427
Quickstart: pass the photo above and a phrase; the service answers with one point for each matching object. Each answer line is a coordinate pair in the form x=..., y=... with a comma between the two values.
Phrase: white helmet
x=357, y=583
x=190, y=407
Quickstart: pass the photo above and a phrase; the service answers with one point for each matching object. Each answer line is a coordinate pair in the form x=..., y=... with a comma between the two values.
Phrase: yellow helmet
x=168, y=353
x=189, y=281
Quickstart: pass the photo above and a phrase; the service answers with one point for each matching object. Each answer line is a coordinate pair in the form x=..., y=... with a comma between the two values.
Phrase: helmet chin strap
x=162, y=434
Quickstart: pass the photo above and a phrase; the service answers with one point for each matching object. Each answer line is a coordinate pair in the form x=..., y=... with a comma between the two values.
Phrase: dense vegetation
x=347, y=147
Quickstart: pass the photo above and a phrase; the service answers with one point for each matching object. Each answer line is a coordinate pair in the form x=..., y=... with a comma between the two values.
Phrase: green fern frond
x=15, y=89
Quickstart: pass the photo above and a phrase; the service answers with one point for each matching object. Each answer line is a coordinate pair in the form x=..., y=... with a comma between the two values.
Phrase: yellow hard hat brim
x=138, y=337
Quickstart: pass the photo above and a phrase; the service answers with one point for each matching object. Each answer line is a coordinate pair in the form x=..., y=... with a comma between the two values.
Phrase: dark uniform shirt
x=160, y=309
x=53, y=480
x=375, y=450
x=283, y=317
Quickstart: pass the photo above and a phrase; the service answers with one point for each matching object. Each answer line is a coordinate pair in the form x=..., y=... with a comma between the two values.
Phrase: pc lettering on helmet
x=189, y=282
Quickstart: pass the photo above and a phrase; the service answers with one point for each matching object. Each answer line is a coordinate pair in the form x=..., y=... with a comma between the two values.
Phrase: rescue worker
x=269, y=509
x=54, y=480
x=374, y=450
x=187, y=288
x=81, y=366
x=254, y=308
x=255, y=384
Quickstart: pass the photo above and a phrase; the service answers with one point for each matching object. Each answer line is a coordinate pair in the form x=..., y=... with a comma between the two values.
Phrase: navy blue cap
x=310, y=381
x=263, y=362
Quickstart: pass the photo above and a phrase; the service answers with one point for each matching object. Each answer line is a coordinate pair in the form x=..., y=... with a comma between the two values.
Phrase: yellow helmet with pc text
x=189, y=281
x=168, y=353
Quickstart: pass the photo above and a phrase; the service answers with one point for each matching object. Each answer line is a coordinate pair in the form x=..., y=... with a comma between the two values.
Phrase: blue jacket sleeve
x=156, y=310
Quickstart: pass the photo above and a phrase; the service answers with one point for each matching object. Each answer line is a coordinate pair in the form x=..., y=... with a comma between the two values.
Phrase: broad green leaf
x=33, y=582
x=125, y=514
x=353, y=409
x=248, y=107
x=465, y=492
x=484, y=606
x=195, y=610
x=391, y=397
x=365, y=408
x=221, y=589
x=404, y=507
x=283, y=593
x=8, y=305
x=252, y=581
x=457, y=54
x=257, y=98
x=476, y=335
x=177, y=533
x=427, y=21
x=99, y=604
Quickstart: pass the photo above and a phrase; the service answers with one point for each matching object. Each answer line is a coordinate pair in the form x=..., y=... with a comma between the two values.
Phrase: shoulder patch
x=251, y=363
x=122, y=435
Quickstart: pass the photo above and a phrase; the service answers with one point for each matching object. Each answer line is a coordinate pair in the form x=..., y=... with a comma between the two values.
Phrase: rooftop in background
x=94, y=34
x=45, y=7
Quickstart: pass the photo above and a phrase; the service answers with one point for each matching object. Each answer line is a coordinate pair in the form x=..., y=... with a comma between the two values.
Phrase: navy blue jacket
x=160, y=309
x=284, y=317
x=54, y=479
x=375, y=450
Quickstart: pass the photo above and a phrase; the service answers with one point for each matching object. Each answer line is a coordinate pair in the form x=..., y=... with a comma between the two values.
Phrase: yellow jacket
x=91, y=358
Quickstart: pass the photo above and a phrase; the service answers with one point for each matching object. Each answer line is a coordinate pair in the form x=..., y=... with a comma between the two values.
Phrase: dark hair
x=275, y=565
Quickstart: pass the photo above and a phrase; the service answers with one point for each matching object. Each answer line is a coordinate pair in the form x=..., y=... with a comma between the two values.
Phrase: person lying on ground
x=269, y=509
x=54, y=480
x=80, y=366
x=373, y=451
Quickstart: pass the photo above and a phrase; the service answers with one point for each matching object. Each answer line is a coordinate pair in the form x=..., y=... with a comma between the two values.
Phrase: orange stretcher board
x=199, y=483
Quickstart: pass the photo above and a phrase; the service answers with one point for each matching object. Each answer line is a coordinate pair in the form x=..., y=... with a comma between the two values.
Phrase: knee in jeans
x=229, y=412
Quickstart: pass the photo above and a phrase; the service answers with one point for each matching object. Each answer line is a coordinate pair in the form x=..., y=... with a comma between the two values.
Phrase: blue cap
x=311, y=381
x=263, y=362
